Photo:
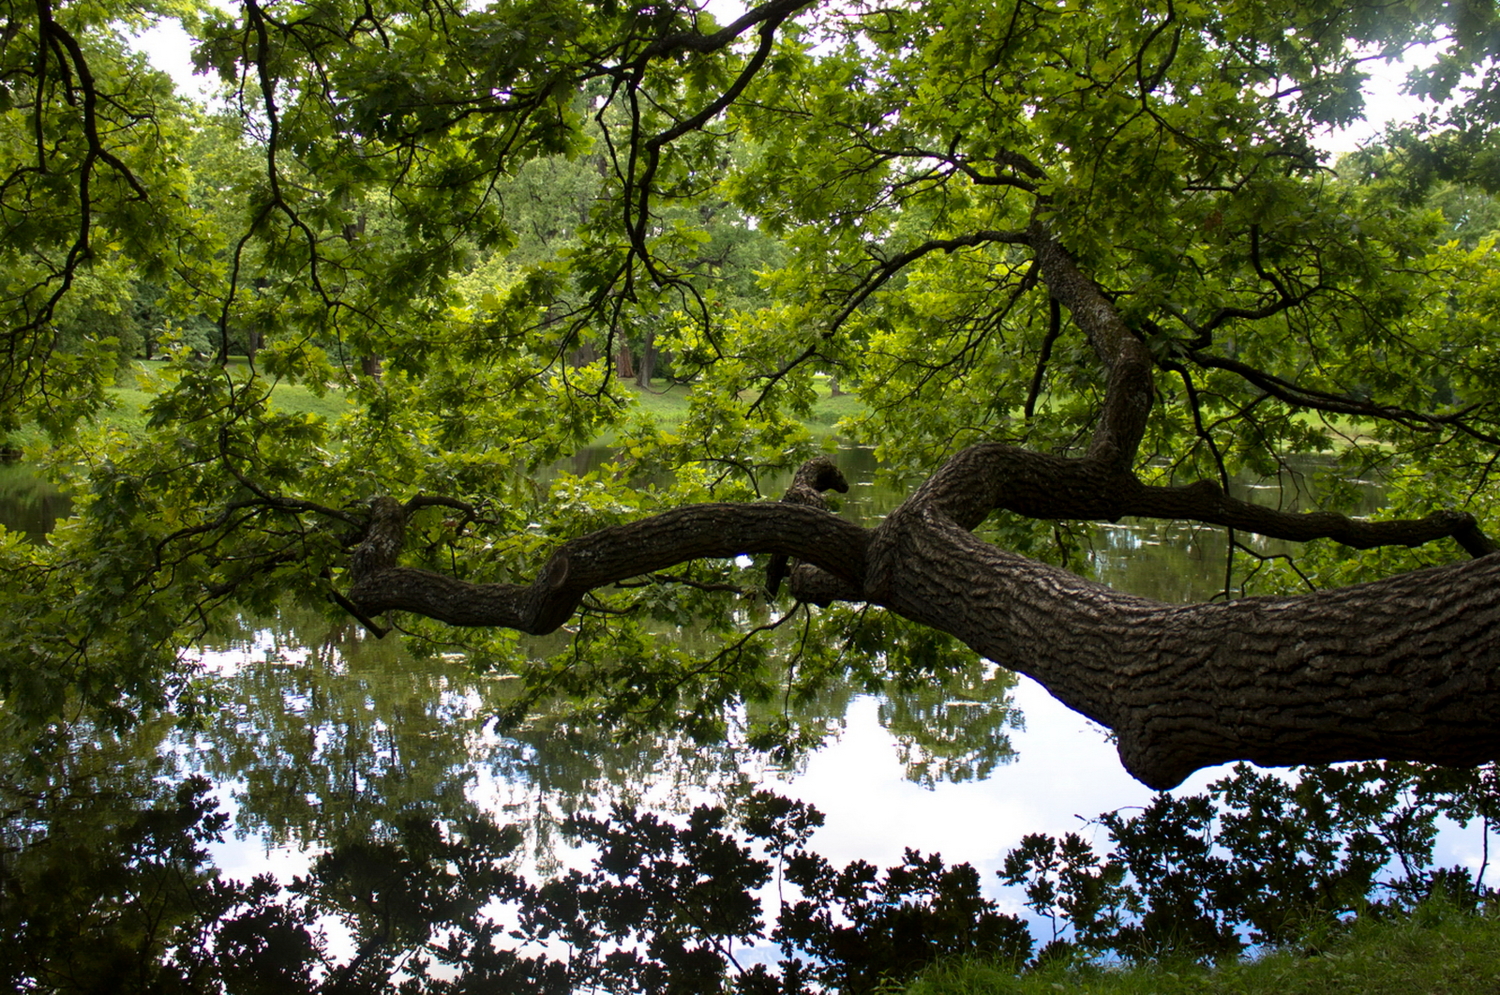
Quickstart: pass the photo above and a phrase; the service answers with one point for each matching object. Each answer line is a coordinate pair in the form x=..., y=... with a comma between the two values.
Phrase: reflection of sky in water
x=1067, y=774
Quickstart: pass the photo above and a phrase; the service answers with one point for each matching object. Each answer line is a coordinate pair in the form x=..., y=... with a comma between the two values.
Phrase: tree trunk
x=647, y=367
x=624, y=369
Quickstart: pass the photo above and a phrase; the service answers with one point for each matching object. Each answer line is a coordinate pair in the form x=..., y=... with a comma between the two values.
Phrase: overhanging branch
x=1320, y=400
x=599, y=559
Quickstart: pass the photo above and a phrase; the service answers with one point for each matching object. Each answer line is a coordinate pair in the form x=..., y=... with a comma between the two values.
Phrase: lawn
x=1435, y=950
x=666, y=401
x=668, y=404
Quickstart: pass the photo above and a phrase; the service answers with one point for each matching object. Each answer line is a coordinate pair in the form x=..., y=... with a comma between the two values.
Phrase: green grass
x=289, y=398
x=666, y=401
x=1433, y=951
x=668, y=404
x=1344, y=431
x=297, y=399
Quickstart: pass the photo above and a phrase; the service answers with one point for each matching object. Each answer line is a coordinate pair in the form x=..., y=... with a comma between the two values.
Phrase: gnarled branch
x=1407, y=667
x=1402, y=668
x=599, y=559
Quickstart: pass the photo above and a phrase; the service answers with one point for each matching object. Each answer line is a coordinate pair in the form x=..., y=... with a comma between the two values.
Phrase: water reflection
x=955, y=731
x=29, y=503
x=102, y=853
x=1180, y=562
x=324, y=734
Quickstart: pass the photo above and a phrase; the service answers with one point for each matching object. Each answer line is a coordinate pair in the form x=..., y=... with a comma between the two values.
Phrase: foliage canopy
x=1097, y=233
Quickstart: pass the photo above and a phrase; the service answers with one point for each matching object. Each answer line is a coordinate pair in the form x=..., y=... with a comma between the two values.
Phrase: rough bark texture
x=1402, y=668
x=808, y=484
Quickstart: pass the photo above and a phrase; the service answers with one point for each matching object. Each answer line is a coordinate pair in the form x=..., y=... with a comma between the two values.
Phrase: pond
x=322, y=732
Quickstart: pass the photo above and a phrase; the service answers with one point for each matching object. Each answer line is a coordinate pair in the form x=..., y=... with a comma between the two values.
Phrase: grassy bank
x=1433, y=951
x=666, y=401
x=136, y=386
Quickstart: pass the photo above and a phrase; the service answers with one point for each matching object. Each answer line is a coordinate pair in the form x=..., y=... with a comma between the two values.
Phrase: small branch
x=888, y=268
x=1262, y=558
x=776, y=11
x=1307, y=397
x=697, y=585
x=269, y=500
x=378, y=631
x=812, y=478
x=1128, y=364
x=1038, y=377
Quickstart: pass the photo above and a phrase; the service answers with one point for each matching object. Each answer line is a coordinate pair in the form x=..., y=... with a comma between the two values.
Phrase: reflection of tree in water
x=326, y=740
x=955, y=731
x=337, y=742
x=1181, y=562
x=948, y=711
x=346, y=737
x=105, y=885
x=29, y=503
x=326, y=736
x=101, y=852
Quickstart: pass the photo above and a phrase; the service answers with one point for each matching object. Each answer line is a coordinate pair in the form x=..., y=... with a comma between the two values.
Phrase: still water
x=322, y=733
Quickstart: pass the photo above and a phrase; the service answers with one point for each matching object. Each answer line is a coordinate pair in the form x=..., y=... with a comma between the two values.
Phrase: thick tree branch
x=1206, y=502
x=1404, y=668
x=599, y=559
x=991, y=476
x=808, y=484
x=1126, y=360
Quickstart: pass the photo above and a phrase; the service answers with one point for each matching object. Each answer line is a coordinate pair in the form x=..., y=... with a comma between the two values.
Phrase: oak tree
x=1082, y=261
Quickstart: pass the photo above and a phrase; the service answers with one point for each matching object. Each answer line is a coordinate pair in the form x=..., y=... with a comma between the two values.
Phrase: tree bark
x=583, y=356
x=1403, y=668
